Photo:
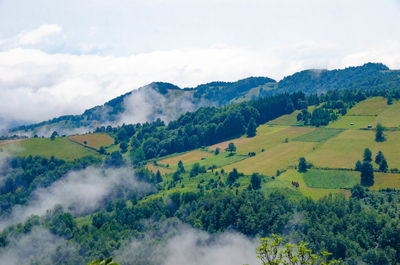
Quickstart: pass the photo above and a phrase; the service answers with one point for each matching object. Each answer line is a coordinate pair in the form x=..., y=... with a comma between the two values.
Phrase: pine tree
x=367, y=155
x=379, y=157
x=383, y=166
x=367, y=174
x=302, y=164
x=379, y=136
x=251, y=128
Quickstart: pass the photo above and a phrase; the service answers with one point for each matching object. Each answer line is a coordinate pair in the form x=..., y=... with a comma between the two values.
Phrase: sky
x=65, y=56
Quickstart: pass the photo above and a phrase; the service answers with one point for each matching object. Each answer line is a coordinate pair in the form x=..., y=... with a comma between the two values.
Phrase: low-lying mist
x=79, y=192
x=173, y=243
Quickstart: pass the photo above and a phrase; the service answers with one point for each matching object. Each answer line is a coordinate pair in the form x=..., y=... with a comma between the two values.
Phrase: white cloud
x=37, y=35
x=79, y=192
x=36, y=85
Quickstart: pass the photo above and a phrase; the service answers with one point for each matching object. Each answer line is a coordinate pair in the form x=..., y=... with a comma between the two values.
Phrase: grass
x=280, y=156
x=220, y=160
x=318, y=135
x=60, y=148
x=284, y=181
x=344, y=150
x=371, y=106
x=187, y=157
x=286, y=120
x=331, y=179
x=386, y=180
x=359, y=122
x=390, y=116
x=93, y=140
x=163, y=170
x=267, y=137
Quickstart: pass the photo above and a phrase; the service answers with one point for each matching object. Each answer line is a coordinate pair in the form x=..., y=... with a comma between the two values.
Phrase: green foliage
x=367, y=155
x=302, y=165
x=255, y=181
x=379, y=136
x=358, y=166
x=231, y=148
x=251, y=128
x=367, y=174
x=273, y=251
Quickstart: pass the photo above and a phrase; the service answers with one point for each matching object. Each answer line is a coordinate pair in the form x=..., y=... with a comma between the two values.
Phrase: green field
x=390, y=116
x=279, y=157
x=267, y=137
x=318, y=135
x=345, y=122
x=60, y=147
x=284, y=181
x=331, y=179
x=344, y=150
x=93, y=140
x=371, y=107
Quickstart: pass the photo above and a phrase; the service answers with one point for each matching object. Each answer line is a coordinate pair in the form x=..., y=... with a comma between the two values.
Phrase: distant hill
x=156, y=100
x=166, y=101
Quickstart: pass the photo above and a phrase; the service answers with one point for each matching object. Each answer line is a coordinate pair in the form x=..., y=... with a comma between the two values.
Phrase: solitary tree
x=379, y=136
x=383, y=166
x=367, y=174
x=302, y=164
x=251, y=128
x=53, y=135
x=231, y=148
x=367, y=155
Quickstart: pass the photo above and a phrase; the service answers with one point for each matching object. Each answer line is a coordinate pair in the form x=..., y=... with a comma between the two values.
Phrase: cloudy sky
x=62, y=57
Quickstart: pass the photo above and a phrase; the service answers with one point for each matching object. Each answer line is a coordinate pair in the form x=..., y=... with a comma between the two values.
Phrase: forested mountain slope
x=167, y=101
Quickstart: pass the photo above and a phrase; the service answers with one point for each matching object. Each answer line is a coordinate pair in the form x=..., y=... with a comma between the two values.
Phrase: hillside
x=155, y=101
x=167, y=102
x=146, y=181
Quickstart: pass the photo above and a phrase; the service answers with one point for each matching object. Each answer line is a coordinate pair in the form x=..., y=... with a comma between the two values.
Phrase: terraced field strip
x=285, y=181
x=60, y=147
x=318, y=135
x=371, y=107
x=344, y=150
x=331, y=179
x=386, y=180
x=281, y=156
x=93, y=140
x=267, y=137
x=195, y=155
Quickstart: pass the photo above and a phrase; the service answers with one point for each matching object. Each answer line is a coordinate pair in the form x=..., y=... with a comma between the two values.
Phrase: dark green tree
x=251, y=128
x=367, y=174
x=124, y=147
x=358, y=166
x=367, y=155
x=379, y=157
x=390, y=100
x=158, y=177
x=379, y=136
x=181, y=168
x=255, y=181
x=302, y=164
x=53, y=135
x=231, y=148
x=383, y=166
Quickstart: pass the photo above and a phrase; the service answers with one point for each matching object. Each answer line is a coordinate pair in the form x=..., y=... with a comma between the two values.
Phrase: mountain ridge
x=167, y=101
